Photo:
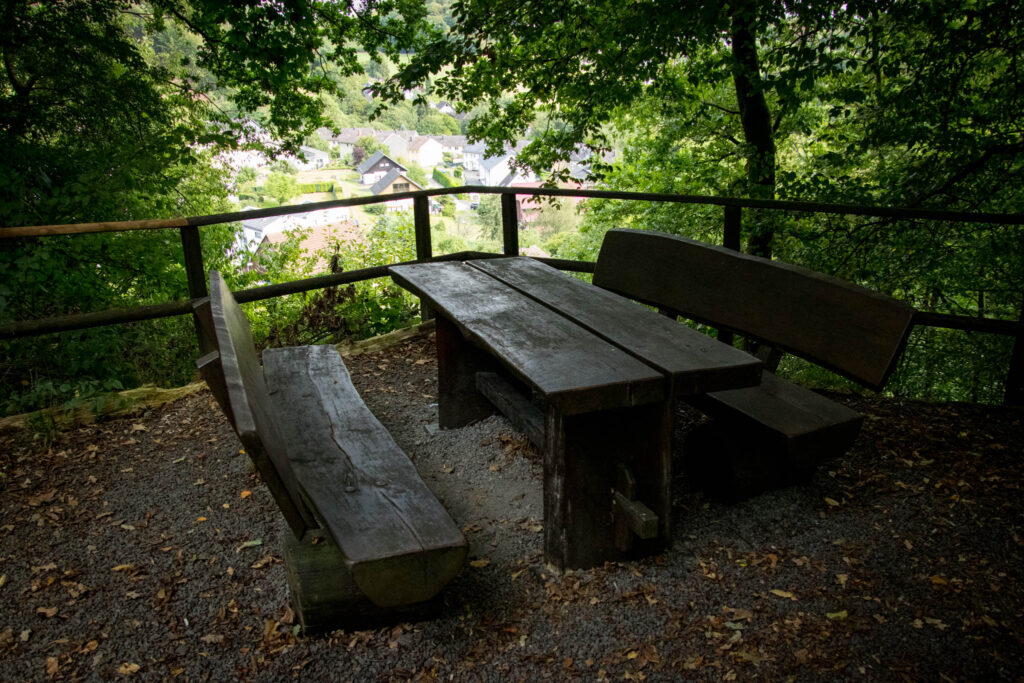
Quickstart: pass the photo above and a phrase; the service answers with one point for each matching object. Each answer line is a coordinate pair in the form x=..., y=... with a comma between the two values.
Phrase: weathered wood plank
x=252, y=415
x=847, y=328
x=524, y=415
x=807, y=427
x=581, y=460
x=325, y=596
x=695, y=362
x=574, y=369
x=459, y=402
x=401, y=545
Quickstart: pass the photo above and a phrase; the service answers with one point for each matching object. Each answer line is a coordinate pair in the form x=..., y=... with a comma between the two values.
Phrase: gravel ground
x=144, y=547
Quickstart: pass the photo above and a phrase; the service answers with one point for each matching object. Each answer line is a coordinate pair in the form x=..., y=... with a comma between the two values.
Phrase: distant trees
x=281, y=187
x=366, y=146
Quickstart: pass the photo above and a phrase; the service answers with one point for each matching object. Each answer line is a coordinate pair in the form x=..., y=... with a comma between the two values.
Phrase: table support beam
x=581, y=462
x=459, y=402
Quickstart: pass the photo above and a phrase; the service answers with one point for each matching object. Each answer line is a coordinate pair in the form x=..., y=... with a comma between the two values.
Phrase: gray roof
x=490, y=162
x=369, y=162
x=258, y=224
x=391, y=177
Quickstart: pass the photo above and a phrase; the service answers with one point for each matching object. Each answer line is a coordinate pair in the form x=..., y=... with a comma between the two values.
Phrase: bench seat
x=399, y=543
x=773, y=434
x=371, y=542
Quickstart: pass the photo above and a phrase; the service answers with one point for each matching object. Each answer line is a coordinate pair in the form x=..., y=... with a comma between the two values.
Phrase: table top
x=582, y=347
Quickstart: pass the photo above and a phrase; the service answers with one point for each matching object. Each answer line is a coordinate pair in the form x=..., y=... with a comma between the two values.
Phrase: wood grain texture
x=581, y=462
x=400, y=544
x=849, y=329
x=252, y=414
x=804, y=426
x=459, y=402
x=523, y=414
x=695, y=362
x=325, y=596
x=572, y=368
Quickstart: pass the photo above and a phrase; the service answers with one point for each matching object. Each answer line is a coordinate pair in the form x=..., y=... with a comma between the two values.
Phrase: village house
x=426, y=151
x=452, y=144
x=320, y=241
x=376, y=166
x=392, y=183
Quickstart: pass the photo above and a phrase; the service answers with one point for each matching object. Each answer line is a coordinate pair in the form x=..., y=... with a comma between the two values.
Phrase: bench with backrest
x=778, y=432
x=371, y=542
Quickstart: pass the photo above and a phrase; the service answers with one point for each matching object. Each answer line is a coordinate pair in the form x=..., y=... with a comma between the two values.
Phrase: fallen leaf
x=122, y=568
x=482, y=562
x=832, y=502
x=249, y=544
x=836, y=616
x=246, y=493
x=212, y=638
x=783, y=594
x=263, y=562
x=3, y=580
x=52, y=666
x=127, y=669
x=139, y=428
x=36, y=501
x=46, y=611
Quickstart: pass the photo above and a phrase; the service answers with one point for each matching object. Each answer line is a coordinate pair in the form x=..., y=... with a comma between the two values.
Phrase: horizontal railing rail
x=732, y=223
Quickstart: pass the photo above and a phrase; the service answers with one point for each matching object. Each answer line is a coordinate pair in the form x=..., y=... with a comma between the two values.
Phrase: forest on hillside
x=113, y=110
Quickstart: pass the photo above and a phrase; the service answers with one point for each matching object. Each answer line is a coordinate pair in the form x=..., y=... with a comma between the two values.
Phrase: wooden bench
x=371, y=542
x=776, y=433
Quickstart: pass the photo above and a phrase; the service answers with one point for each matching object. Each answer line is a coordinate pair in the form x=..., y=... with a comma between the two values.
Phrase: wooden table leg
x=459, y=402
x=581, y=460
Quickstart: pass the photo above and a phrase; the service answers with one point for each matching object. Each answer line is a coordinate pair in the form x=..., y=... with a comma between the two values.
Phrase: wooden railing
x=731, y=230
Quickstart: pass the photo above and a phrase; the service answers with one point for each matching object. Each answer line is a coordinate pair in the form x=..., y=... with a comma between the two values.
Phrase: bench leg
x=581, y=459
x=459, y=402
x=324, y=595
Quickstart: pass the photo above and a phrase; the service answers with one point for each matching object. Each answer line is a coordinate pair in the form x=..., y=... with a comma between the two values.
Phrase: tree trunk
x=756, y=121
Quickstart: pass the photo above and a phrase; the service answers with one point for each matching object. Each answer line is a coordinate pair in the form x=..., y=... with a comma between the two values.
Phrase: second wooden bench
x=778, y=432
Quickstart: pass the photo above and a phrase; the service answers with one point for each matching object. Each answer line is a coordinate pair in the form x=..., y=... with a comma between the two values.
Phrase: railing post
x=509, y=225
x=733, y=225
x=424, y=250
x=1014, y=395
x=730, y=240
x=195, y=271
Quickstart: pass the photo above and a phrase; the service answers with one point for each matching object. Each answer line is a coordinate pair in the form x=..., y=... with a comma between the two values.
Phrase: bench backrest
x=846, y=328
x=236, y=378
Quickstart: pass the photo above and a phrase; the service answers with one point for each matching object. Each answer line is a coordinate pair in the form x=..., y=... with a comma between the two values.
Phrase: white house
x=426, y=151
x=472, y=155
x=315, y=159
x=376, y=166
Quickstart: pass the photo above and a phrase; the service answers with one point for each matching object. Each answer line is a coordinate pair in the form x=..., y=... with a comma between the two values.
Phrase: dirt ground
x=144, y=547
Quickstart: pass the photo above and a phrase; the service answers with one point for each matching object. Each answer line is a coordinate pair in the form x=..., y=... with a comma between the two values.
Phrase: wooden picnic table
x=590, y=376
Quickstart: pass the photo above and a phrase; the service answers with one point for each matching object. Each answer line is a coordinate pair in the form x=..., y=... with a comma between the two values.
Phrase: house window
x=400, y=187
